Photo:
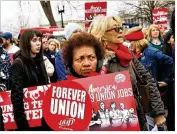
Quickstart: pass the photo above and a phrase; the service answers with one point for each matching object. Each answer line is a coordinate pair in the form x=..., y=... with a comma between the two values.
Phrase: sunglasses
x=117, y=29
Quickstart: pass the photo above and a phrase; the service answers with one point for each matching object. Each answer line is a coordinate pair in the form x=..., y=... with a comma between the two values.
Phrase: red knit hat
x=134, y=34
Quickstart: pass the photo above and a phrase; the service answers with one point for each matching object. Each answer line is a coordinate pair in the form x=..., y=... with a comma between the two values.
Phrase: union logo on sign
x=120, y=78
x=66, y=122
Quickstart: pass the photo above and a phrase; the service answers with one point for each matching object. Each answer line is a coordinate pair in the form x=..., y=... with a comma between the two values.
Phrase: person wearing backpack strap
x=28, y=70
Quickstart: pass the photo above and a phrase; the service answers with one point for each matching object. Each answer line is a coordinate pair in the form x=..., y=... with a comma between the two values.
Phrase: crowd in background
x=35, y=60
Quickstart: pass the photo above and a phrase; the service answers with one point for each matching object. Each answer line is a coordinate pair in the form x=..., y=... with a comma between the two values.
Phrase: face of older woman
x=84, y=60
x=114, y=33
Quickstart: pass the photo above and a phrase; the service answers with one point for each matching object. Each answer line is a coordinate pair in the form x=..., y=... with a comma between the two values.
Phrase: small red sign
x=67, y=106
x=160, y=17
x=93, y=9
x=33, y=100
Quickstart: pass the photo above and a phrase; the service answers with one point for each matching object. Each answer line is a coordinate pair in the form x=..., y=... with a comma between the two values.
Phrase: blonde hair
x=100, y=24
x=145, y=31
x=140, y=44
x=56, y=42
x=150, y=29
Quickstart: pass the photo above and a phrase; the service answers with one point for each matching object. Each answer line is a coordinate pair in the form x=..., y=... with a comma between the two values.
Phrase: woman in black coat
x=27, y=70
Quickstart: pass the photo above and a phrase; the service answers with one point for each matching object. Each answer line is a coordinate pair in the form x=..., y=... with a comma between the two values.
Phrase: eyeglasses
x=117, y=29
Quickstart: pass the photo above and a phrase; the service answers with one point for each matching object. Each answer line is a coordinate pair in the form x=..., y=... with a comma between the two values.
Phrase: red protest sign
x=112, y=102
x=93, y=9
x=33, y=100
x=160, y=17
x=67, y=106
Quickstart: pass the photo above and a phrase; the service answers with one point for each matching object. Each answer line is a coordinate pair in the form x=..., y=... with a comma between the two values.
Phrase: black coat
x=1, y=121
x=25, y=73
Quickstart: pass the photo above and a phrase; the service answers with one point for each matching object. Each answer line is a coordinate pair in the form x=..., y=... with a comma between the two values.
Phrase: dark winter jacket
x=60, y=67
x=1, y=121
x=157, y=105
x=5, y=68
x=51, y=55
x=159, y=64
x=25, y=73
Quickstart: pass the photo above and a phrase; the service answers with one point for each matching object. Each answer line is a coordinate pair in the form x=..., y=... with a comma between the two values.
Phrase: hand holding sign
x=66, y=106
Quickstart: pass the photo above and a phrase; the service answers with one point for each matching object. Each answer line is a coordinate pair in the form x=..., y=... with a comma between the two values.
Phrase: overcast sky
x=32, y=11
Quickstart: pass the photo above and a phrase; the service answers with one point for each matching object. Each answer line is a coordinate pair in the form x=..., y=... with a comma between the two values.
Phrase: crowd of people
x=39, y=60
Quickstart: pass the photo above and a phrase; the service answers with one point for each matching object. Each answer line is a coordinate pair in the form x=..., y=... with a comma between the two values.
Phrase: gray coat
x=157, y=106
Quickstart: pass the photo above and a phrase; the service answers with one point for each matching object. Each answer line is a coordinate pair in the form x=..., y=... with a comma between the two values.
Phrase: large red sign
x=160, y=17
x=66, y=106
x=113, y=105
x=93, y=9
x=112, y=102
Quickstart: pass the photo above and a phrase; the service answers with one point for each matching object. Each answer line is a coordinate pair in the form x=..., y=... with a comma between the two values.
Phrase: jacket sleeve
x=167, y=62
x=17, y=95
x=154, y=95
x=60, y=67
x=48, y=66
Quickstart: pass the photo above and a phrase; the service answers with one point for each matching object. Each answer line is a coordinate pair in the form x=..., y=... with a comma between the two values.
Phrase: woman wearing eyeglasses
x=118, y=58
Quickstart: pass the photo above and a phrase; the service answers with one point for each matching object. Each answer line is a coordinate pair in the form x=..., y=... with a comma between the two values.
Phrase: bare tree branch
x=48, y=12
x=145, y=8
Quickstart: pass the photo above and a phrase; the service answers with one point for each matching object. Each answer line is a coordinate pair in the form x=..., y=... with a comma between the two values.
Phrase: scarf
x=122, y=52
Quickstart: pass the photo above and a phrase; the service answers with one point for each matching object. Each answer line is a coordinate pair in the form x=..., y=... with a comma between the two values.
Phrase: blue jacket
x=60, y=67
x=159, y=64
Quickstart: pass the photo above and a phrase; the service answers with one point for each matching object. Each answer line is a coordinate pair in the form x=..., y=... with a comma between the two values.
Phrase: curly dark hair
x=77, y=41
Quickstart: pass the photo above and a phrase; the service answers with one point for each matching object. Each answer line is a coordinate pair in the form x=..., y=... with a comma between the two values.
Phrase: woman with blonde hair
x=118, y=58
x=155, y=37
x=157, y=63
x=54, y=45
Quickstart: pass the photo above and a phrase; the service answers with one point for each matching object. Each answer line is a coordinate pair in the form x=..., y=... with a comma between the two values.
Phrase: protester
x=5, y=68
x=81, y=54
x=51, y=56
x=155, y=37
x=28, y=70
x=169, y=44
x=159, y=64
x=7, y=42
x=54, y=45
x=72, y=29
x=60, y=67
x=171, y=94
x=109, y=32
